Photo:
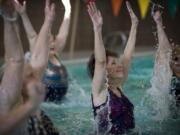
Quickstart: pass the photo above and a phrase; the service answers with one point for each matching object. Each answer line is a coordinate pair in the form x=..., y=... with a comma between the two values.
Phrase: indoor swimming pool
x=74, y=116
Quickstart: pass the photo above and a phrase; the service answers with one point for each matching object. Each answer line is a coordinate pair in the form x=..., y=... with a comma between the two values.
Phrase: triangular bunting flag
x=116, y=6
x=172, y=6
x=144, y=5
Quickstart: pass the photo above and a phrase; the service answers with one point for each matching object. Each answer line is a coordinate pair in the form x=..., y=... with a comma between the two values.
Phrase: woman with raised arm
x=23, y=92
x=39, y=122
x=55, y=77
x=112, y=109
x=14, y=112
x=167, y=62
x=11, y=84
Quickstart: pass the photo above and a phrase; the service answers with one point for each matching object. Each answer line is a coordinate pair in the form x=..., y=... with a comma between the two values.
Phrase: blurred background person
x=22, y=91
x=55, y=77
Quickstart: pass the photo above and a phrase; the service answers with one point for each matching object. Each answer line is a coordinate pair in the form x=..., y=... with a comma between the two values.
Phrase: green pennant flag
x=172, y=6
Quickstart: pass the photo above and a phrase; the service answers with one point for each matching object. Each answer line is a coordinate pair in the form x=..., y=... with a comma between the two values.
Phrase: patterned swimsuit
x=115, y=116
x=175, y=88
x=41, y=127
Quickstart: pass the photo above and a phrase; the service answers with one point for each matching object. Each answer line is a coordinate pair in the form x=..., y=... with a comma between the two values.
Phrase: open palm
x=95, y=15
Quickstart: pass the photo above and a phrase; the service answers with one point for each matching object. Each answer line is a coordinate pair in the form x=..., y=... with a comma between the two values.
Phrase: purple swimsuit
x=115, y=116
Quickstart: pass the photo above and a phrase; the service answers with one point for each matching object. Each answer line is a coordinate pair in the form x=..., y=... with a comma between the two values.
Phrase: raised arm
x=128, y=52
x=61, y=38
x=33, y=96
x=162, y=72
x=41, y=50
x=99, y=77
x=31, y=33
x=164, y=47
x=12, y=78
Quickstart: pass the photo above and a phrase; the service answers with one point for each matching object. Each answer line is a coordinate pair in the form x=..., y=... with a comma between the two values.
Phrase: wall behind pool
x=84, y=36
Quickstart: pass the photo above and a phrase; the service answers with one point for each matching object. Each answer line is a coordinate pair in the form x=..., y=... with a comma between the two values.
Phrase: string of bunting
x=144, y=7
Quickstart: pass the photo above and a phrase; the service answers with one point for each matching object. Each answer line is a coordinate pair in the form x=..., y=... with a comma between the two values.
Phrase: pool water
x=74, y=116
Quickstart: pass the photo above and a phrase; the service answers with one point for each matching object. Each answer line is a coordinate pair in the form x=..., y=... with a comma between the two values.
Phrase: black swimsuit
x=115, y=116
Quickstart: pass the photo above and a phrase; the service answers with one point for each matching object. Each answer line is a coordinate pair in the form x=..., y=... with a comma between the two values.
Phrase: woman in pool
x=55, y=78
x=11, y=81
x=112, y=109
x=167, y=58
x=21, y=90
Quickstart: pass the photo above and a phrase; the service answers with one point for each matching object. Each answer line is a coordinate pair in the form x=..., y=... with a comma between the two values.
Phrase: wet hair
x=175, y=55
x=91, y=62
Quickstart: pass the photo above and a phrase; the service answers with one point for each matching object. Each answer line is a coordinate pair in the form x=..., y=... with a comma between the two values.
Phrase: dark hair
x=91, y=62
x=175, y=54
x=176, y=50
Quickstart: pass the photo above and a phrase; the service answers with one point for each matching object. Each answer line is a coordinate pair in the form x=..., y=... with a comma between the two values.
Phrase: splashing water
x=158, y=99
x=74, y=112
x=159, y=93
x=74, y=116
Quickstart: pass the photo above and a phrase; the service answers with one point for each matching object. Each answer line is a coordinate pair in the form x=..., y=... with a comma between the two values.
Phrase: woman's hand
x=134, y=18
x=157, y=17
x=7, y=9
x=49, y=11
x=67, y=5
x=95, y=15
x=21, y=9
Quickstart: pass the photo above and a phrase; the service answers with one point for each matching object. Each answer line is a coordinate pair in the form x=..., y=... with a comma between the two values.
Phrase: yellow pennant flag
x=144, y=5
x=116, y=6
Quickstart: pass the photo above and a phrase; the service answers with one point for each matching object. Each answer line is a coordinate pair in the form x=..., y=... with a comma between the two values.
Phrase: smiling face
x=175, y=61
x=114, y=67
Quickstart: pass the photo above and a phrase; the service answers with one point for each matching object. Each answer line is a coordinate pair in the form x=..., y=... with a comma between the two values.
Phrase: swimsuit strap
x=95, y=108
x=103, y=104
x=119, y=89
x=51, y=65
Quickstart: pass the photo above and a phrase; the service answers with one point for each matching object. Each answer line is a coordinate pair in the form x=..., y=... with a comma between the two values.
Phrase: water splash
x=73, y=112
x=78, y=95
x=158, y=98
x=72, y=119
